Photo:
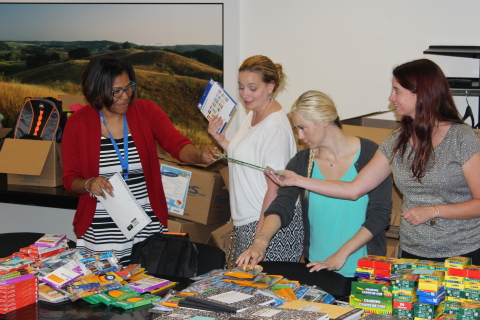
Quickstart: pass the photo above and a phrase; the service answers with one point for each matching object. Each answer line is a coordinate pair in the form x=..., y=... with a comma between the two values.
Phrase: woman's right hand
x=213, y=126
x=98, y=186
x=253, y=255
x=288, y=179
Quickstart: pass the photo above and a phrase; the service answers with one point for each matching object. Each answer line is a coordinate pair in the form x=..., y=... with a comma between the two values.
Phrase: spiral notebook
x=124, y=210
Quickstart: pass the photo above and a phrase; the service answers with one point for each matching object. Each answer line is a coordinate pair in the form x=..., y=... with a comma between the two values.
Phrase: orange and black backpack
x=40, y=119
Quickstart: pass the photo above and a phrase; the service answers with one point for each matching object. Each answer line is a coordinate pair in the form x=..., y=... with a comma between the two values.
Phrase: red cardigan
x=81, y=154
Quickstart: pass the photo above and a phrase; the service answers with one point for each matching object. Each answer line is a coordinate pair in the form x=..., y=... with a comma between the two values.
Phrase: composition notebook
x=334, y=312
x=124, y=209
x=216, y=101
x=224, y=299
x=273, y=313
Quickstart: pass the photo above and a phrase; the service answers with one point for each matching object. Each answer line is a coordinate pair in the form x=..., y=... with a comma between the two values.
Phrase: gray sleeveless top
x=444, y=183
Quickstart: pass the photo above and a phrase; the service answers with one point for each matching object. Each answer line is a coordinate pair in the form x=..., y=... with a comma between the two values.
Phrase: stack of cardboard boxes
x=207, y=207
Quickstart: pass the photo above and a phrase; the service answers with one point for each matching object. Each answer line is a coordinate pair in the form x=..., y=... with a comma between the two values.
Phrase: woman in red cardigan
x=117, y=133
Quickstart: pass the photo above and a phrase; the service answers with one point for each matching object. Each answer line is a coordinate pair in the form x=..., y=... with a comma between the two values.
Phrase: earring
x=270, y=99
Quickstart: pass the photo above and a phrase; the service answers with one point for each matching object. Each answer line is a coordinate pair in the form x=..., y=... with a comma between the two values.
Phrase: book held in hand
x=215, y=101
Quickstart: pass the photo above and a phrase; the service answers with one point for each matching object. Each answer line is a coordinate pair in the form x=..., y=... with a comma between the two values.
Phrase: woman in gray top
x=435, y=160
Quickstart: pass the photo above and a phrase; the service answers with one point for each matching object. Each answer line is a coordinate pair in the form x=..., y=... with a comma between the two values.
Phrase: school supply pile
x=50, y=272
x=246, y=292
x=412, y=288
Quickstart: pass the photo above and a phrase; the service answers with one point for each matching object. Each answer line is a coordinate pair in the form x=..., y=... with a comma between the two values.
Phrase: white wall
x=348, y=48
x=23, y=218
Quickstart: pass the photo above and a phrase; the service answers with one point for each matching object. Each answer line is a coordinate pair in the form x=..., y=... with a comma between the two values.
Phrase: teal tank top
x=334, y=221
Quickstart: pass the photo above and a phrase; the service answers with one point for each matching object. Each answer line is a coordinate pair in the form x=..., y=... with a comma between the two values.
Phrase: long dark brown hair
x=434, y=104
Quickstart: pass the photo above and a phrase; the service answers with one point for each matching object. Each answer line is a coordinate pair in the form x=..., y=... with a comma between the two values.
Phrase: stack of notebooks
x=334, y=312
x=228, y=303
x=224, y=299
x=18, y=292
x=252, y=313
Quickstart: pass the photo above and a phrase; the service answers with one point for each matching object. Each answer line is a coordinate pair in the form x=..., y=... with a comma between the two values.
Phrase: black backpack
x=40, y=119
x=167, y=254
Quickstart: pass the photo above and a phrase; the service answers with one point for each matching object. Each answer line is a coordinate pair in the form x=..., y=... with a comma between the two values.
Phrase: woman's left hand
x=419, y=215
x=209, y=154
x=333, y=263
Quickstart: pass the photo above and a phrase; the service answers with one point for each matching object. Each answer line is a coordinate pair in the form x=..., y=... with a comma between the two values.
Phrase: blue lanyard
x=124, y=159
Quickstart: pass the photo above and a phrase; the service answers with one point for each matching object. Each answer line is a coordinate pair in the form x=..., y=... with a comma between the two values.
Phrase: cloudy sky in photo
x=142, y=24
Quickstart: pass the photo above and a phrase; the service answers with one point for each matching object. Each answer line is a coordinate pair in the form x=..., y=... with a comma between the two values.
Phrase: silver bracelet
x=432, y=221
x=86, y=188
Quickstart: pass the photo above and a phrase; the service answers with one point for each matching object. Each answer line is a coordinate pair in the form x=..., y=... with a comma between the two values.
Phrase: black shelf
x=466, y=92
x=455, y=51
x=463, y=52
x=56, y=197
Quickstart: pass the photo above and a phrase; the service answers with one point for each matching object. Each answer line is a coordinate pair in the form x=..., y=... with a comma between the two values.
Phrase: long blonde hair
x=316, y=106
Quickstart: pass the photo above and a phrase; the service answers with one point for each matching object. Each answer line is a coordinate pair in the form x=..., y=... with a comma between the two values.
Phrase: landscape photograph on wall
x=175, y=50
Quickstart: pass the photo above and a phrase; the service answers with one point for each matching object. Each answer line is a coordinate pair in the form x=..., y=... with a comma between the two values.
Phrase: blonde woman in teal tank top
x=334, y=238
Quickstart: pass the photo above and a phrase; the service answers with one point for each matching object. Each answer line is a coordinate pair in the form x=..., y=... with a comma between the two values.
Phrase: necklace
x=330, y=162
x=257, y=115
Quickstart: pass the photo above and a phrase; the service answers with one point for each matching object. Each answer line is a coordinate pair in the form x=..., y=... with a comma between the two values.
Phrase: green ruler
x=249, y=164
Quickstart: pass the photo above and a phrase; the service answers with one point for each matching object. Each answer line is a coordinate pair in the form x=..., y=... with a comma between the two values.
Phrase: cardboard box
x=392, y=248
x=370, y=122
x=221, y=236
x=31, y=162
x=4, y=132
x=208, y=199
x=197, y=232
x=70, y=99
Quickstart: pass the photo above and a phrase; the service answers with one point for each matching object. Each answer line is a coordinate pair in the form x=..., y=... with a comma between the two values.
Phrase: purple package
x=50, y=240
x=19, y=278
x=64, y=275
x=148, y=284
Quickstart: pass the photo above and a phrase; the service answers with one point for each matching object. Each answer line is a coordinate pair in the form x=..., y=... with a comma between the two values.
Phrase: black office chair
x=12, y=241
x=330, y=281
